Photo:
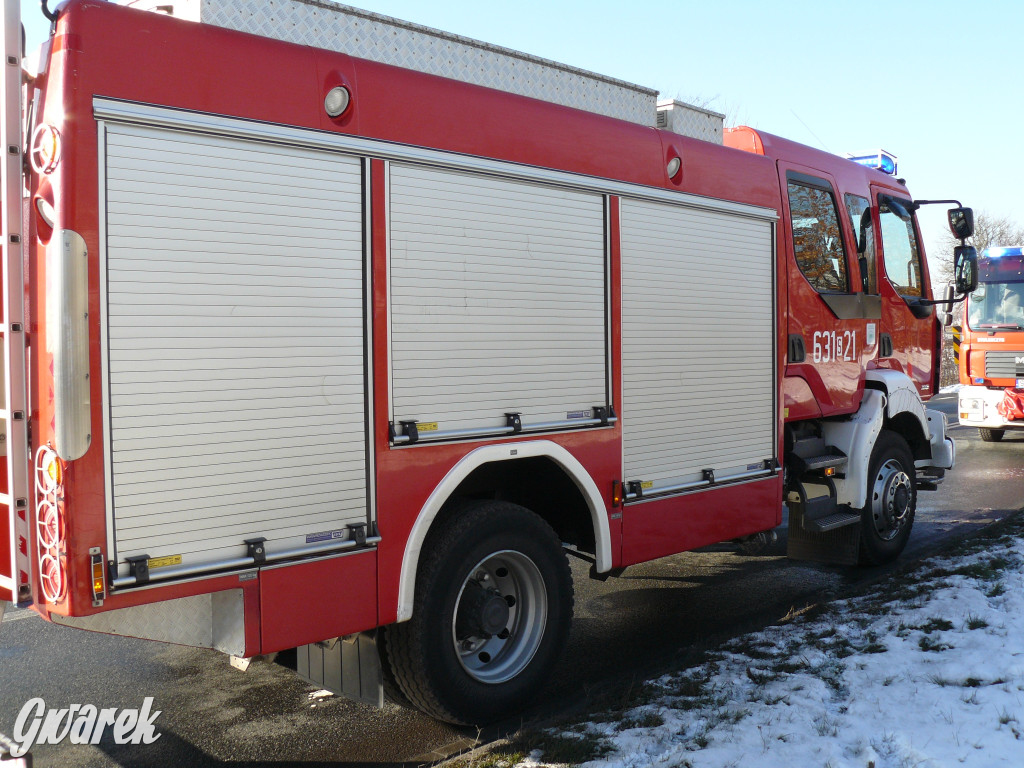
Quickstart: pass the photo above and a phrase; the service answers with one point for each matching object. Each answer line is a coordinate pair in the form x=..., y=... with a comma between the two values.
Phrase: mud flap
x=347, y=666
x=840, y=546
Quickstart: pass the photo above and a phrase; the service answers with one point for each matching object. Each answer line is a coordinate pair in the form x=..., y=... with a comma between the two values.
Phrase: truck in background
x=319, y=352
x=991, y=358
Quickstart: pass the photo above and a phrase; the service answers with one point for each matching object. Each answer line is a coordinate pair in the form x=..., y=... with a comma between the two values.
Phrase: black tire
x=991, y=435
x=888, y=514
x=392, y=691
x=491, y=616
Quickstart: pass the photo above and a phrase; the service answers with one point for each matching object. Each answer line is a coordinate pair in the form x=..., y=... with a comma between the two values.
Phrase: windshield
x=999, y=300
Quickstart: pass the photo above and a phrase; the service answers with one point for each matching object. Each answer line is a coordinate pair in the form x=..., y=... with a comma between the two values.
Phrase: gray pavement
x=626, y=629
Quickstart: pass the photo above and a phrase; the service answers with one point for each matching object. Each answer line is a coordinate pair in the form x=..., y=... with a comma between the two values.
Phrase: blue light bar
x=879, y=160
x=995, y=253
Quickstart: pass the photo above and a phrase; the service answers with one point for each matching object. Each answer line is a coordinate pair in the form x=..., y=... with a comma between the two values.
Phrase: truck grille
x=1004, y=364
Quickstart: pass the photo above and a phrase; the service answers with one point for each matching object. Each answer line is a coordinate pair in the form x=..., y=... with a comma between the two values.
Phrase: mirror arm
x=918, y=203
x=935, y=302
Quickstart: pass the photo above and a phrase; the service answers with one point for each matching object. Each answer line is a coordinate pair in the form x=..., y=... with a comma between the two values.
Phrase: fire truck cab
x=991, y=357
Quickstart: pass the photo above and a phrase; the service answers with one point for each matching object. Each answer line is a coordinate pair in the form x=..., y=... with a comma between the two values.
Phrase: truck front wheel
x=888, y=515
x=991, y=435
x=491, y=615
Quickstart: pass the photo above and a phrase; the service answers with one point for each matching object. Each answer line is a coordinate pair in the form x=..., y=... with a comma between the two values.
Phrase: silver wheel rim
x=500, y=616
x=891, y=499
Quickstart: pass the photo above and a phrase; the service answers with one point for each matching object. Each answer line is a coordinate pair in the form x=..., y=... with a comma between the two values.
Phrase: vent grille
x=1004, y=364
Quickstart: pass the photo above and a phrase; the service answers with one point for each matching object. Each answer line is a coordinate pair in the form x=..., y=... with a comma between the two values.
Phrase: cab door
x=829, y=314
x=909, y=327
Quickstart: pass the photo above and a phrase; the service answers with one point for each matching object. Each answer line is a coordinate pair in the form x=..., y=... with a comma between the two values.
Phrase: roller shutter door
x=497, y=300
x=698, y=331
x=234, y=340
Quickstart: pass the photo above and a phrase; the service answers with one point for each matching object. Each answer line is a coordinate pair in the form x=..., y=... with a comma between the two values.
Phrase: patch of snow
x=951, y=389
x=926, y=671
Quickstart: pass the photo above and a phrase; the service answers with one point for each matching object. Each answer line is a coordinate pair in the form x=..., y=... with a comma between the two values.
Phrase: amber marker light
x=44, y=152
x=52, y=474
x=99, y=590
x=616, y=494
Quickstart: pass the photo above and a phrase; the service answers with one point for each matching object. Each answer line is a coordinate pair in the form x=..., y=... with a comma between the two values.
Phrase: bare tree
x=989, y=230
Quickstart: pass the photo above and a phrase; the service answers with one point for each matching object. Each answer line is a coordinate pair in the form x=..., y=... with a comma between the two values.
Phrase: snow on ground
x=925, y=670
x=950, y=389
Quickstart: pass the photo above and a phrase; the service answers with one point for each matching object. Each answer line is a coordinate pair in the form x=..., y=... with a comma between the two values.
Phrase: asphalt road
x=625, y=629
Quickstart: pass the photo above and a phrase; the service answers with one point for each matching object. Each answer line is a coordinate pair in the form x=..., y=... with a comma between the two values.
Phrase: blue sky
x=936, y=83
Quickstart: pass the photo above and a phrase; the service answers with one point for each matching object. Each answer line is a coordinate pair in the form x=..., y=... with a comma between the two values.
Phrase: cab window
x=817, y=239
x=859, y=210
x=899, y=245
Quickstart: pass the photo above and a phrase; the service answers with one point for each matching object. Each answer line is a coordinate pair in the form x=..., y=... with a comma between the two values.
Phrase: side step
x=837, y=519
x=811, y=455
x=820, y=514
x=819, y=529
x=836, y=545
x=833, y=460
x=929, y=479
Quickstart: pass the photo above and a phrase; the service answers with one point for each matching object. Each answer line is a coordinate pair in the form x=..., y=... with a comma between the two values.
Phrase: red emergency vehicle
x=329, y=354
x=991, y=355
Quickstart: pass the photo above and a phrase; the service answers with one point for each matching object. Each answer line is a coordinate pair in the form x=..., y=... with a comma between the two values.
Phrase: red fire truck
x=306, y=350
x=991, y=356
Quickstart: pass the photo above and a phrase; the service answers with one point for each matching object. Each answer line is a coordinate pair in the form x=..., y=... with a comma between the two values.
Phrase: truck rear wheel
x=491, y=615
x=888, y=515
x=991, y=435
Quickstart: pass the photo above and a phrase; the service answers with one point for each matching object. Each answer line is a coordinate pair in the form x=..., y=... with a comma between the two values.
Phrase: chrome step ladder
x=15, y=541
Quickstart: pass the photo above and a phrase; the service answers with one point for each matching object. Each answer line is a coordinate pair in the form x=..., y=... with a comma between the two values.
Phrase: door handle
x=797, y=352
x=884, y=345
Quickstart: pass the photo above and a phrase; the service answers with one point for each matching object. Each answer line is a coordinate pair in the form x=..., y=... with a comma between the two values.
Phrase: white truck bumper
x=977, y=408
x=943, y=447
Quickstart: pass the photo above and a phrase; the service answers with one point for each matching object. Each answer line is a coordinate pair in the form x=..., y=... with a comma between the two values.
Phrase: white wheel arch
x=901, y=395
x=487, y=455
x=856, y=435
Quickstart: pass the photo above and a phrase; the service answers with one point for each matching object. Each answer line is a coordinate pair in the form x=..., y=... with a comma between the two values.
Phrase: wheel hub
x=482, y=612
x=891, y=499
x=500, y=617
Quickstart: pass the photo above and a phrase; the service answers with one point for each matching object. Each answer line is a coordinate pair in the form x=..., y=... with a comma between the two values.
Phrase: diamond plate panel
x=337, y=27
x=689, y=120
x=202, y=621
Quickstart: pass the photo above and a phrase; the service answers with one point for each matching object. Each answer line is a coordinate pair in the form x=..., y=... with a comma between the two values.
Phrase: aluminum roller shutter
x=698, y=334
x=498, y=300
x=234, y=343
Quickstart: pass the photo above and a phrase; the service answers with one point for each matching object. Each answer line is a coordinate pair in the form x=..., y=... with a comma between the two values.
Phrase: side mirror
x=896, y=207
x=961, y=222
x=965, y=268
x=946, y=313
